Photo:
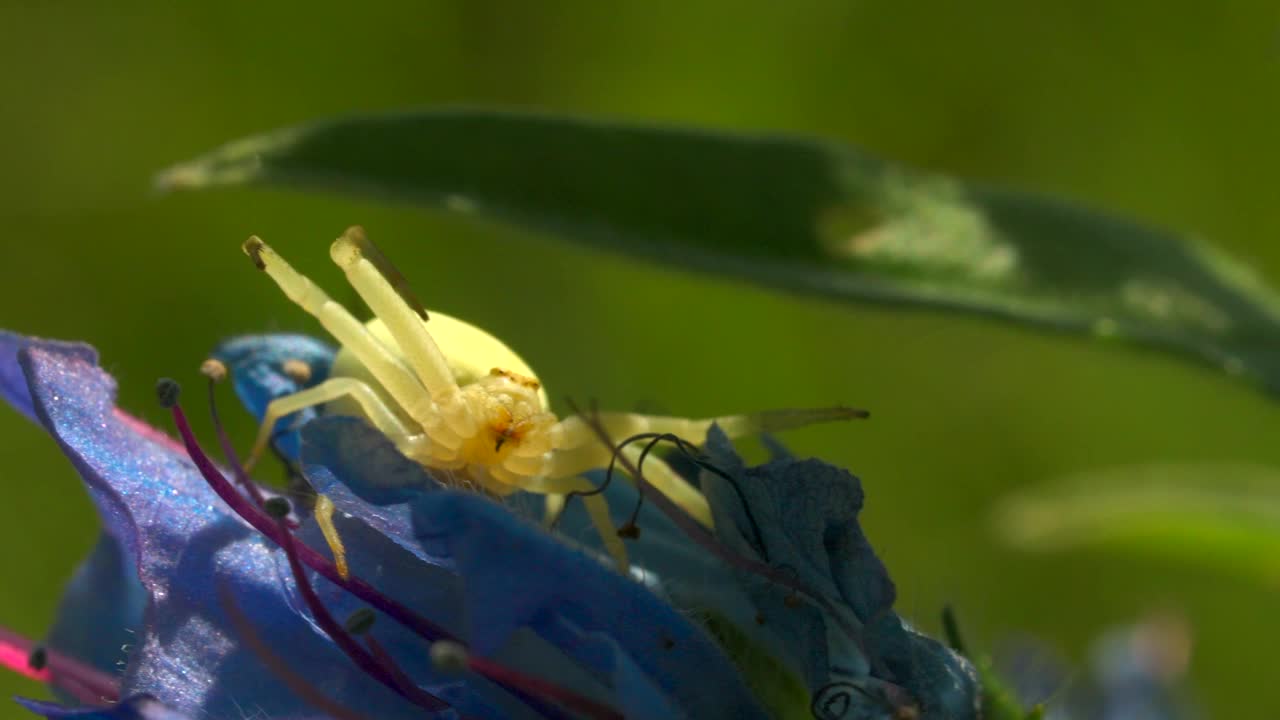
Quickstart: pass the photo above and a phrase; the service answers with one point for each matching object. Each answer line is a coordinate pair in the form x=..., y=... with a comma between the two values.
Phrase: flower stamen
x=295, y=681
x=707, y=540
x=383, y=670
x=167, y=391
x=24, y=657
x=264, y=524
x=216, y=371
x=323, y=514
x=453, y=657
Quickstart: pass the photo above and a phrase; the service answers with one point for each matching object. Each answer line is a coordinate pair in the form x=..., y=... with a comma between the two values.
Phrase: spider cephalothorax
x=457, y=399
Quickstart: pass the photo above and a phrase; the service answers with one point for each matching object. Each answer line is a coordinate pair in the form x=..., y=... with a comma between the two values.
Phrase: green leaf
x=1224, y=516
x=790, y=212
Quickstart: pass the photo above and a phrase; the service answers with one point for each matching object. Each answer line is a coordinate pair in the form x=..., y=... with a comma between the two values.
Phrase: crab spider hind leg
x=578, y=448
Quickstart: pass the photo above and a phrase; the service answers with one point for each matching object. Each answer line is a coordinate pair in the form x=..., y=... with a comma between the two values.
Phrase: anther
x=323, y=514
x=167, y=392
x=214, y=369
x=792, y=600
x=630, y=531
x=297, y=370
x=449, y=657
x=253, y=248
x=38, y=659
x=277, y=507
x=361, y=621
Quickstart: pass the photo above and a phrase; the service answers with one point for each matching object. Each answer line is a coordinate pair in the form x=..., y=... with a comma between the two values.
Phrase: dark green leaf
x=793, y=213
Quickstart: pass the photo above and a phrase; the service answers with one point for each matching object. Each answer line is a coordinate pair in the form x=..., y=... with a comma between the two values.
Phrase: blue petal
x=257, y=362
x=667, y=560
x=367, y=478
x=517, y=575
x=138, y=707
x=187, y=547
x=364, y=475
x=373, y=485
x=101, y=608
x=13, y=384
x=802, y=516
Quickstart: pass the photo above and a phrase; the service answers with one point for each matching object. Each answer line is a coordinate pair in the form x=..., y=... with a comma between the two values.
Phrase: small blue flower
x=477, y=611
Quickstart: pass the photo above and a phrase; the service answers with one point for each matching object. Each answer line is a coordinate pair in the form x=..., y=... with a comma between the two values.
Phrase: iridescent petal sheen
x=188, y=547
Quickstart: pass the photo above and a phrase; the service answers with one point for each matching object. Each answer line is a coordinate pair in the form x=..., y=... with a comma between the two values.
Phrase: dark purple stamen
x=269, y=527
x=397, y=675
x=295, y=681
x=514, y=678
x=229, y=451
x=391, y=676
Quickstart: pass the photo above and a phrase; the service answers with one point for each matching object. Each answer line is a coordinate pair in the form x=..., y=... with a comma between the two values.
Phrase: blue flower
x=476, y=611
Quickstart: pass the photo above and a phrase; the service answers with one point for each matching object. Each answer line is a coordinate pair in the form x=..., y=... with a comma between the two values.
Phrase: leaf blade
x=793, y=213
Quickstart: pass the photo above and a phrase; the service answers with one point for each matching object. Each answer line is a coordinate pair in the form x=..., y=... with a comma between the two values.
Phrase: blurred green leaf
x=794, y=213
x=1224, y=516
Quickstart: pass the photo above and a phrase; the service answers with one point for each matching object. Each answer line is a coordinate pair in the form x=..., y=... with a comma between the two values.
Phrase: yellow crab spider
x=457, y=400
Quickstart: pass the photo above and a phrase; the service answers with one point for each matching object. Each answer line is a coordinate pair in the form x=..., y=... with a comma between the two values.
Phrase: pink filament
x=542, y=688
x=14, y=657
x=86, y=683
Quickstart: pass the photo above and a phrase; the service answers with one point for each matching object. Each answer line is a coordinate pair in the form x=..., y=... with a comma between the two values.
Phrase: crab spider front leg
x=399, y=382
x=374, y=407
x=419, y=349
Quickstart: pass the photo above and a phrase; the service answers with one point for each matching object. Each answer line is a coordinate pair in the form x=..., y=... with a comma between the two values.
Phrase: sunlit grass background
x=1163, y=111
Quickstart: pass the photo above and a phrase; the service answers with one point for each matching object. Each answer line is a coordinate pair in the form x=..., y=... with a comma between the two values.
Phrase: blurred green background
x=1167, y=112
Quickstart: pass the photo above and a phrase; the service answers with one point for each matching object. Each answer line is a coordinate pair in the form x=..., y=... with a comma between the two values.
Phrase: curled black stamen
x=708, y=541
x=692, y=453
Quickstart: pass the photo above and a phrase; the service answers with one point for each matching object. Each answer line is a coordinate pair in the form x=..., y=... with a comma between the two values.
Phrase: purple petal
x=186, y=547
x=13, y=383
